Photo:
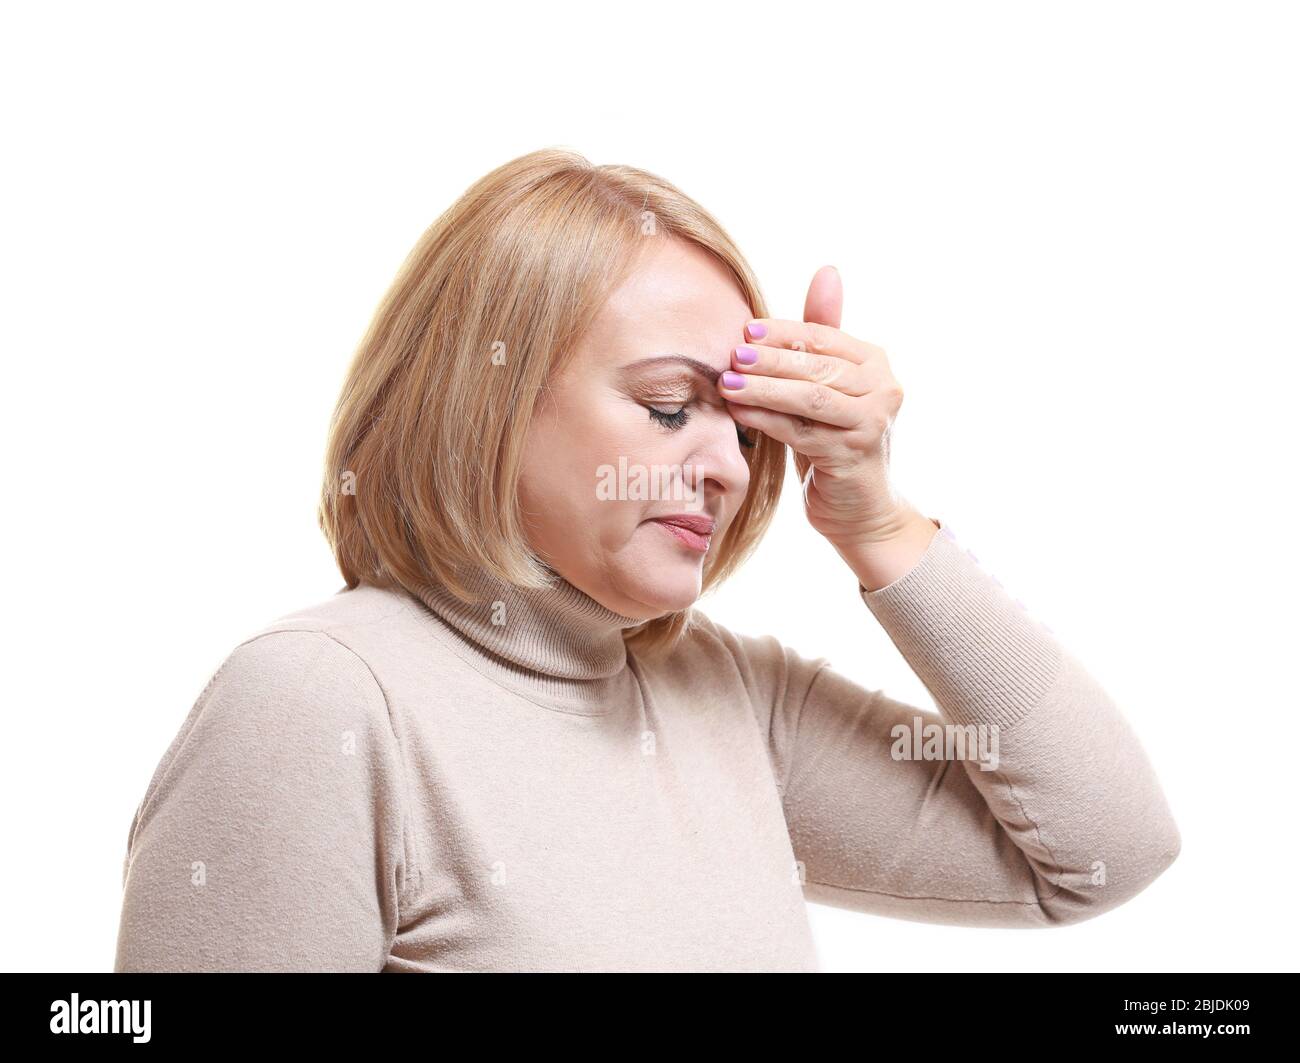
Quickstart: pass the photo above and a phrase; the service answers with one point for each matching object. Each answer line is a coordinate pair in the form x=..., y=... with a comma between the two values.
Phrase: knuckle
x=819, y=337
x=801, y=362
x=824, y=370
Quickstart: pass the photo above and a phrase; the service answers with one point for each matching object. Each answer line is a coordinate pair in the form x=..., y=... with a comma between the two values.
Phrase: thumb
x=825, y=302
x=824, y=305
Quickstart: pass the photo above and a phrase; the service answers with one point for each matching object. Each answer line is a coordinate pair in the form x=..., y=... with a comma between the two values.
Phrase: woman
x=511, y=743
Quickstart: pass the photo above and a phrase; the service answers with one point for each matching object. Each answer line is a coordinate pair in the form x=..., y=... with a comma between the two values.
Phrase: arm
x=271, y=836
x=1069, y=823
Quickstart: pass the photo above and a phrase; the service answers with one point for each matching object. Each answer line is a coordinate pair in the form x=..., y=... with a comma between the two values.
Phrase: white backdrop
x=1073, y=227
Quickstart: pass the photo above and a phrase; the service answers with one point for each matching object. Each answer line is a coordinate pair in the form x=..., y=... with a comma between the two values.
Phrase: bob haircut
x=423, y=458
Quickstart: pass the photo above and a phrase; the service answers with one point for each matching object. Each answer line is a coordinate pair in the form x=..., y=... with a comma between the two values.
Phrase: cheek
x=603, y=434
x=572, y=451
x=562, y=471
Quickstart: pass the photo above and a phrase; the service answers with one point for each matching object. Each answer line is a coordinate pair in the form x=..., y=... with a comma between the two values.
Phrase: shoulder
x=705, y=637
x=285, y=699
x=274, y=718
x=301, y=679
x=347, y=637
x=348, y=615
x=277, y=671
x=768, y=669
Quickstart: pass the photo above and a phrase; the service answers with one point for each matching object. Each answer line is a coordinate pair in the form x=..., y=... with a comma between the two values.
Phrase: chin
x=668, y=602
x=650, y=577
x=669, y=589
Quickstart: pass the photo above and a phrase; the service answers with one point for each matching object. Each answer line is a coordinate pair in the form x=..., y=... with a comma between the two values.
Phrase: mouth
x=690, y=529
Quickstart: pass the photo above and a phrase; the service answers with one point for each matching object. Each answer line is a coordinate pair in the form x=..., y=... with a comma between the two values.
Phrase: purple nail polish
x=733, y=380
x=746, y=355
x=756, y=331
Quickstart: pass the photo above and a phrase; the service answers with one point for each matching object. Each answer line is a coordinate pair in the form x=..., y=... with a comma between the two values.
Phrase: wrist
x=879, y=562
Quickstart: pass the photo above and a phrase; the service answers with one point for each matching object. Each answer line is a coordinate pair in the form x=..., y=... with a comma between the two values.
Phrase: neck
x=555, y=645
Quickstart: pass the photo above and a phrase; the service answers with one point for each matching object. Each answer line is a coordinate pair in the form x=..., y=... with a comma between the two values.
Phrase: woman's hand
x=833, y=399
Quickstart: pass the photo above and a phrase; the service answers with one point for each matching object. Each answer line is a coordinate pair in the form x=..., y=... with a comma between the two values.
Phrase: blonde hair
x=425, y=445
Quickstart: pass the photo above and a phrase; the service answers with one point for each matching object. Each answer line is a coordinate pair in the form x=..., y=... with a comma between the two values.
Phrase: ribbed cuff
x=977, y=650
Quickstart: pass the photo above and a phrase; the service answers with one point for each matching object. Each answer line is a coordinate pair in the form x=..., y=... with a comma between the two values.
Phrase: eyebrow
x=707, y=371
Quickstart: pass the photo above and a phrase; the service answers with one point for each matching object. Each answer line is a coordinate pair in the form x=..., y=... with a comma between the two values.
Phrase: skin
x=678, y=301
x=831, y=397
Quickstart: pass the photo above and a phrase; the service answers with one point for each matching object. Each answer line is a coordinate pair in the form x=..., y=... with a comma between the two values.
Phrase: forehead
x=679, y=298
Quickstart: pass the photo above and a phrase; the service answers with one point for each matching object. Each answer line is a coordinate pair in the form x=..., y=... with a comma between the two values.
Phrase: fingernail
x=733, y=380
x=746, y=355
x=755, y=330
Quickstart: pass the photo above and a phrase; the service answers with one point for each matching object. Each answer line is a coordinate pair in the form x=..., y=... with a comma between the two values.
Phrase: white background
x=1073, y=227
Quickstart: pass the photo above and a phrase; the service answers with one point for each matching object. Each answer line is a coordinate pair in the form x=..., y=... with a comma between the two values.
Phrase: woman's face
x=632, y=432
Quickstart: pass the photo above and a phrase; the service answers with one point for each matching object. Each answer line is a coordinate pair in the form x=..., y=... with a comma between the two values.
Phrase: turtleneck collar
x=556, y=646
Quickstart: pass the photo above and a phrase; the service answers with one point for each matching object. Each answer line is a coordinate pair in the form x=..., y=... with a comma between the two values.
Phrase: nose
x=720, y=465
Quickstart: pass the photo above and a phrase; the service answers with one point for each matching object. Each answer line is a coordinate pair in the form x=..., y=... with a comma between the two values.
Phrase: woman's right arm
x=1027, y=800
x=272, y=836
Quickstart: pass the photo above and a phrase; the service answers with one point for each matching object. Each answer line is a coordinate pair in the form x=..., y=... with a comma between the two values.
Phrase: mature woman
x=511, y=743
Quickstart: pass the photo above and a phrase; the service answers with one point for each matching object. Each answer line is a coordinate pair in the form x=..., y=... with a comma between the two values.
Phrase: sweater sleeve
x=1026, y=801
x=271, y=835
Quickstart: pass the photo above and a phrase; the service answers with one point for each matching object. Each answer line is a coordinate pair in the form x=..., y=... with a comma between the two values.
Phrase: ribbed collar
x=556, y=646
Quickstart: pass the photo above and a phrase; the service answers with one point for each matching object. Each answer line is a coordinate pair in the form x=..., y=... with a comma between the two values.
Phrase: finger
x=825, y=301
x=810, y=336
x=813, y=440
x=839, y=373
x=801, y=398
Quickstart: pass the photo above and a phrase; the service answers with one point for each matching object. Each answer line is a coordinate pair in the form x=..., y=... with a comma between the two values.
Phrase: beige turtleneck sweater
x=385, y=782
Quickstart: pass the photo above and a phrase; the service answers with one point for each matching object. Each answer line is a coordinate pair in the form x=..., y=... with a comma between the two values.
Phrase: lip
x=696, y=522
x=690, y=529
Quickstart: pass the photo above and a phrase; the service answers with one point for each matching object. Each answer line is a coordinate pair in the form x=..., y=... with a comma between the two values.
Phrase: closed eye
x=675, y=419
